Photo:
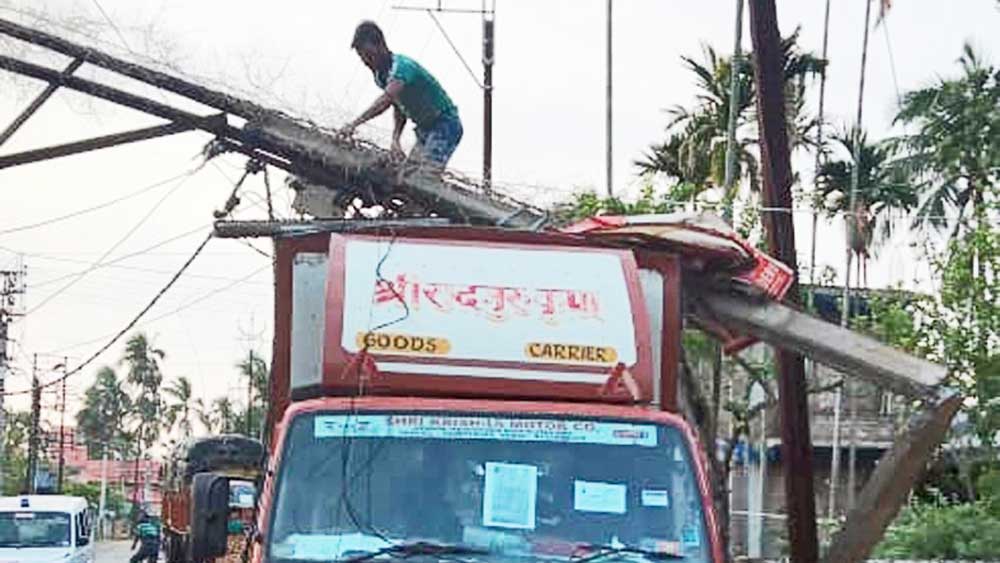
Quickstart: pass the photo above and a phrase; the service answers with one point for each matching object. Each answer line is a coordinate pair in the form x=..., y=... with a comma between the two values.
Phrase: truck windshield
x=34, y=529
x=351, y=484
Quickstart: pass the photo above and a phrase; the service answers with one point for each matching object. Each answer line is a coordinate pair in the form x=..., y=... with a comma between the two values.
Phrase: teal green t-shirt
x=422, y=100
x=147, y=530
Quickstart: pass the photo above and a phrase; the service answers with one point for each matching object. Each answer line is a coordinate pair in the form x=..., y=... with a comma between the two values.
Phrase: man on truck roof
x=413, y=93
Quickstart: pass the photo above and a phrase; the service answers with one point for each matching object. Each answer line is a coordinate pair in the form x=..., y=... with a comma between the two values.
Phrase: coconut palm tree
x=180, y=407
x=223, y=416
x=696, y=148
x=254, y=370
x=882, y=189
x=954, y=156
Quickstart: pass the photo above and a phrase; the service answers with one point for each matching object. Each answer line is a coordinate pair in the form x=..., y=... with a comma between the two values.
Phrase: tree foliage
x=15, y=459
x=695, y=150
x=180, y=406
x=882, y=189
x=143, y=362
x=954, y=155
x=101, y=421
x=941, y=529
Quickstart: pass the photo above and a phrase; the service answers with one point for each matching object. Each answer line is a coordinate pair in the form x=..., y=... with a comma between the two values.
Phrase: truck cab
x=477, y=395
x=45, y=528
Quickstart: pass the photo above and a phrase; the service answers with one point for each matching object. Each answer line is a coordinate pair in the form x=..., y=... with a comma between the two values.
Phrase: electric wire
x=113, y=262
x=455, y=49
x=126, y=328
x=176, y=310
x=140, y=223
x=111, y=22
x=87, y=210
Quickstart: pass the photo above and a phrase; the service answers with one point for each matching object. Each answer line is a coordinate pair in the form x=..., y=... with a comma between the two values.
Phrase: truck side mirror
x=209, y=516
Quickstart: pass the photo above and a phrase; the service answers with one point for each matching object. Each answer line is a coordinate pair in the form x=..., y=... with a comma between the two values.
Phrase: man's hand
x=397, y=150
x=347, y=131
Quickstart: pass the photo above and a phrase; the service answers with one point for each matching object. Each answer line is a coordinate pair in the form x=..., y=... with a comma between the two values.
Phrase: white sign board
x=487, y=304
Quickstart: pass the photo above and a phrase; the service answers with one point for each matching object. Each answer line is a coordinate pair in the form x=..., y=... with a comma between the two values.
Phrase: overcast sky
x=548, y=140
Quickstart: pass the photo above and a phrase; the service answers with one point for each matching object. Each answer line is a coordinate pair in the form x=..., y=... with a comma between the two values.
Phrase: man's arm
x=399, y=121
x=378, y=107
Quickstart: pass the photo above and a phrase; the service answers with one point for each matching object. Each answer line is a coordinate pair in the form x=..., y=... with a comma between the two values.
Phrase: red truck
x=475, y=394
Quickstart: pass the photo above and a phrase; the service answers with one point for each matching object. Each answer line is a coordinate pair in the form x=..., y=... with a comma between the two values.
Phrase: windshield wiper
x=603, y=551
x=414, y=549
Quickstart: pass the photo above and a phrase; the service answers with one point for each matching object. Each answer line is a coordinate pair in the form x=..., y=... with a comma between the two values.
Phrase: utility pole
x=608, y=135
x=489, y=16
x=488, y=20
x=11, y=287
x=852, y=227
x=62, y=427
x=796, y=444
x=734, y=96
x=34, y=431
x=104, y=488
x=250, y=392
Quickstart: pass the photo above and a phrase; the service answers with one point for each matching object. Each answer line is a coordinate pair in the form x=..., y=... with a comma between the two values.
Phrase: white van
x=45, y=528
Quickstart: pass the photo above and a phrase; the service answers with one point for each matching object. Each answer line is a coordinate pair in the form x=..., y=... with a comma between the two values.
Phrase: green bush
x=944, y=530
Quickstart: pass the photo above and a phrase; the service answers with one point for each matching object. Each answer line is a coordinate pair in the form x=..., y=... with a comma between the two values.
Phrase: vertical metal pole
x=488, y=100
x=104, y=490
x=249, y=393
x=819, y=141
x=11, y=284
x=62, y=432
x=734, y=95
x=608, y=127
x=36, y=408
x=851, y=226
x=3, y=373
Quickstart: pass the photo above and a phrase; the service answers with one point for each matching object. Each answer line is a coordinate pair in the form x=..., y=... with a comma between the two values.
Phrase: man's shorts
x=437, y=142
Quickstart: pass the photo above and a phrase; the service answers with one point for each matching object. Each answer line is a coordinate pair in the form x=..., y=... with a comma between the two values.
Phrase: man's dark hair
x=367, y=33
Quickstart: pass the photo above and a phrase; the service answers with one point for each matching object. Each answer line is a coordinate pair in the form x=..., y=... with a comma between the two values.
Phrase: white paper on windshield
x=436, y=427
x=655, y=497
x=509, y=495
x=592, y=496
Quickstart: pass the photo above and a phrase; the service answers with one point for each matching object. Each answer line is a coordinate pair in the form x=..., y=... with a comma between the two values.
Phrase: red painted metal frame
x=336, y=359
x=403, y=404
x=669, y=266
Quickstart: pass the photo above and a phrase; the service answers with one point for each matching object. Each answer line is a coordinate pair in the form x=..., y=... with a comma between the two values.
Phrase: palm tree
x=101, y=421
x=204, y=414
x=696, y=148
x=955, y=154
x=224, y=418
x=254, y=370
x=882, y=189
x=181, y=406
x=144, y=374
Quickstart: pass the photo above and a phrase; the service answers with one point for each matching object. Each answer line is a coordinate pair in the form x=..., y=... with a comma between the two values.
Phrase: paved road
x=113, y=551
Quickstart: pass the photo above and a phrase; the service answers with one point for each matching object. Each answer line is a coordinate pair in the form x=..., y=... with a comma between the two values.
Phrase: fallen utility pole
x=796, y=442
x=341, y=169
x=96, y=143
x=37, y=103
